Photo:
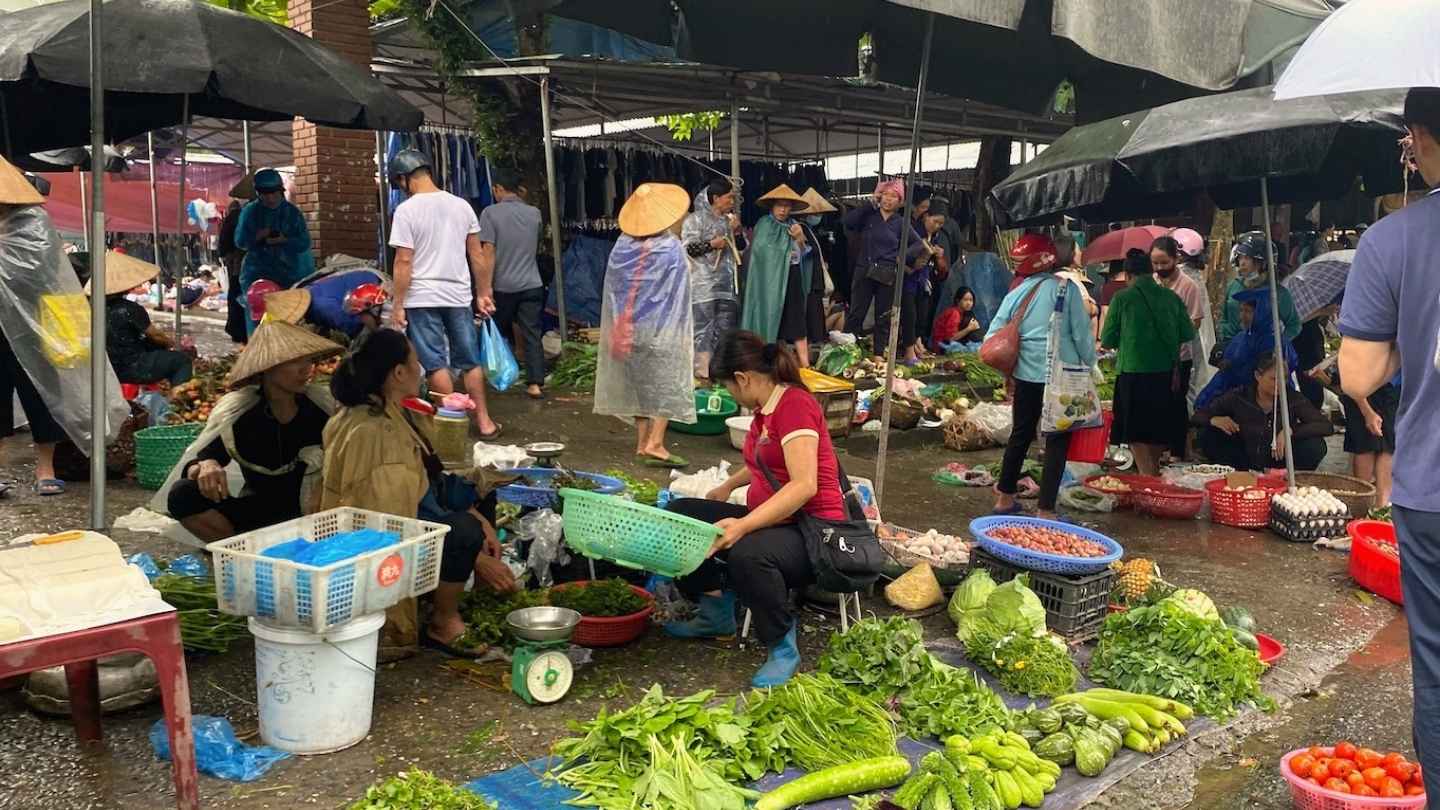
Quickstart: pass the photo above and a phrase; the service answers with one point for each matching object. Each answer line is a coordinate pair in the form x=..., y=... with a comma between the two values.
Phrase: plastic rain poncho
x=1244, y=351
x=645, y=357
x=1201, y=345
x=712, y=275
x=46, y=318
x=285, y=264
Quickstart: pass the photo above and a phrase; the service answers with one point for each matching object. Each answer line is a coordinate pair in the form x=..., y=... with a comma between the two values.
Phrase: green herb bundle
x=946, y=701
x=877, y=657
x=203, y=628
x=420, y=790
x=643, y=490
x=982, y=376
x=1024, y=664
x=576, y=367
x=1167, y=651
x=820, y=723
x=675, y=774
x=605, y=598
x=484, y=612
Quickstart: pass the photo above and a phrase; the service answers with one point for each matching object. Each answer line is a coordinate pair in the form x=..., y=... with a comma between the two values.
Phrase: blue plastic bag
x=145, y=563
x=501, y=370
x=217, y=752
x=188, y=566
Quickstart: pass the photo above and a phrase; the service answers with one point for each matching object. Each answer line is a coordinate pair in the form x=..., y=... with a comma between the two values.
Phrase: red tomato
x=1321, y=771
x=1316, y=752
x=1415, y=790
x=1345, y=749
x=1337, y=785
x=1402, y=771
x=1375, y=777
x=1367, y=758
x=1354, y=780
x=1419, y=776
x=1392, y=758
x=1344, y=767
x=1301, y=764
x=1392, y=788
x=1366, y=790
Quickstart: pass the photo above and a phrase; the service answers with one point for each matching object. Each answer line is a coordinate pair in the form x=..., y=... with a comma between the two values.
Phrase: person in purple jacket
x=1388, y=324
x=879, y=222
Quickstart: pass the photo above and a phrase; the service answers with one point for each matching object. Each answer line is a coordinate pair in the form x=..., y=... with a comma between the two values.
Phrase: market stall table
x=156, y=636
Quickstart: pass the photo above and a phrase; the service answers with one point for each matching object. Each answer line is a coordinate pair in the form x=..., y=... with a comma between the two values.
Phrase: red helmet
x=255, y=296
x=1033, y=253
x=366, y=298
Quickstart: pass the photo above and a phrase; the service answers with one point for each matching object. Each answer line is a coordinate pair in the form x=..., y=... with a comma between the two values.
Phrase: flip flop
x=539, y=395
x=1016, y=509
x=494, y=434
x=49, y=486
x=674, y=462
x=430, y=642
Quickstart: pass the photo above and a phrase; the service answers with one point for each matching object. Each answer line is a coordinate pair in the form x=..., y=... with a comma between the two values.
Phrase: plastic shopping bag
x=65, y=329
x=1071, y=401
x=501, y=370
x=218, y=752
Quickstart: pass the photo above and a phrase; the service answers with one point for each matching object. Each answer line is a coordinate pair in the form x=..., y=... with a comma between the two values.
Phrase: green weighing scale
x=540, y=672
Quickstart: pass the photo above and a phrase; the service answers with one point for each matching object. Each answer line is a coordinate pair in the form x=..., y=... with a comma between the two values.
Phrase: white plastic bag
x=842, y=338
x=501, y=456
x=995, y=420
x=1071, y=401
x=544, y=529
x=698, y=485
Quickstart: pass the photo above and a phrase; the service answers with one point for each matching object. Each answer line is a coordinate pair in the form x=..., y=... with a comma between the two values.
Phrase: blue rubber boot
x=781, y=665
x=716, y=619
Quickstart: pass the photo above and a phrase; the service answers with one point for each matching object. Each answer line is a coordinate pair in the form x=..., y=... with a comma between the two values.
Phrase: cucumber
x=857, y=777
x=1174, y=707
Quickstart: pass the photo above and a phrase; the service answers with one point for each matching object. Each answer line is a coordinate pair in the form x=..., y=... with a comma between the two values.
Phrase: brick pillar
x=335, y=168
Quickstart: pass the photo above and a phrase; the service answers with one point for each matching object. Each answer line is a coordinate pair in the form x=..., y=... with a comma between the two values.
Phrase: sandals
x=49, y=487
x=673, y=462
x=448, y=649
x=494, y=434
x=1015, y=509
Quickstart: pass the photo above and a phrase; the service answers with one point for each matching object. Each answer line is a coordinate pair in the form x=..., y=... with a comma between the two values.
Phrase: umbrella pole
x=84, y=213
x=554, y=202
x=900, y=260
x=245, y=135
x=99, y=361
x=154, y=209
x=180, y=214
x=1282, y=373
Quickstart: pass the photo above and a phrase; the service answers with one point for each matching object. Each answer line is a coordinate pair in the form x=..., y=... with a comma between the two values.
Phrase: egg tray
x=1306, y=530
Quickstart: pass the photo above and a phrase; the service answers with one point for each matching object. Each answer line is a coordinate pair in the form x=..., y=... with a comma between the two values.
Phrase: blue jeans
x=1419, y=536
x=444, y=338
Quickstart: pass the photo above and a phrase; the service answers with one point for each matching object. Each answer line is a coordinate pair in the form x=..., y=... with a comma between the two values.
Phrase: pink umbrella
x=1115, y=244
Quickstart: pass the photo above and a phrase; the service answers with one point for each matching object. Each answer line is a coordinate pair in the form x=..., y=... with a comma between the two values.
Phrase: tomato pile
x=1048, y=541
x=1359, y=771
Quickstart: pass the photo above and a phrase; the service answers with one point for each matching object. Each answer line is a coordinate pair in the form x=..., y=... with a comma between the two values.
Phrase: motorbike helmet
x=408, y=161
x=1191, y=243
x=1250, y=244
x=255, y=297
x=366, y=298
x=1033, y=253
x=267, y=180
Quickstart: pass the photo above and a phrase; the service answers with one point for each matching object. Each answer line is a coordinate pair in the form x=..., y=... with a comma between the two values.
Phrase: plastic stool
x=848, y=602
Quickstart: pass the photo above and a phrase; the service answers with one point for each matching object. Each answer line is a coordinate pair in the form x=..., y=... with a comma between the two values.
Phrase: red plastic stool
x=155, y=636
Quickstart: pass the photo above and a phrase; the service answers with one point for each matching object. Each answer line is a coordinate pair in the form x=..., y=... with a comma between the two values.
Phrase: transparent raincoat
x=646, y=348
x=713, y=275
x=45, y=315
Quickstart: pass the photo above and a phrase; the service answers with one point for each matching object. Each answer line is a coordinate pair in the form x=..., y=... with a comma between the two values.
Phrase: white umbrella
x=1368, y=45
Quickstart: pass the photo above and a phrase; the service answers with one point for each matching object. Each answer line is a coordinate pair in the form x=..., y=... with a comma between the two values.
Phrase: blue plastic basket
x=1040, y=561
x=546, y=498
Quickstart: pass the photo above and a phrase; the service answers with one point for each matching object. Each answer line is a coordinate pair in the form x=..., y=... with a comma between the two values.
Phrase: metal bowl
x=543, y=449
x=542, y=623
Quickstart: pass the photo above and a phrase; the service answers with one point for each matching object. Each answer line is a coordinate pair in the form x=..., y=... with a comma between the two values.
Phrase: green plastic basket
x=708, y=423
x=635, y=535
x=158, y=450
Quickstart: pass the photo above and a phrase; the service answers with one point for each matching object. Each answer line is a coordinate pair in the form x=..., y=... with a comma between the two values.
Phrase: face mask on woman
x=812, y=220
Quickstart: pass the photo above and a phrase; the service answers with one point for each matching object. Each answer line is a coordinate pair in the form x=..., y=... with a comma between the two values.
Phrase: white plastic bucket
x=316, y=690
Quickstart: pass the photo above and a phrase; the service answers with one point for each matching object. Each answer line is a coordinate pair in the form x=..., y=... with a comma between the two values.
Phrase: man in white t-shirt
x=437, y=256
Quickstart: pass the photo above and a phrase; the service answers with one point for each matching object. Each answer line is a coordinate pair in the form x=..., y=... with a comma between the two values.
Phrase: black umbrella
x=227, y=65
x=1153, y=162
x=73, y=157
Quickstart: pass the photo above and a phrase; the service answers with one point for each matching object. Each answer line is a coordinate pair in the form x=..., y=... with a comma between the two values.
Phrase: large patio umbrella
x=74, y=157
x=1368, y=45
x=1241, y=148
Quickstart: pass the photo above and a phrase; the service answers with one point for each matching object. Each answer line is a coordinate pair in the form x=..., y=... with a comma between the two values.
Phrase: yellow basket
x=65, y=329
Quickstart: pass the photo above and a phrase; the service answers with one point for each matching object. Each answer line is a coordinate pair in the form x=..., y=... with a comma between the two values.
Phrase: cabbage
x=1193, y=601
x=971, y=594
x=1014, y=608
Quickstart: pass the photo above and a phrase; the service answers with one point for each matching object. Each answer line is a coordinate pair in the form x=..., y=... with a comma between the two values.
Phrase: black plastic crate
x=1075, y=605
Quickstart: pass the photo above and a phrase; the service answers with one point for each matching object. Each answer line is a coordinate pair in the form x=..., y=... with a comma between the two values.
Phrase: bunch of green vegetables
x=484, y=612
x=1106, y=388
x=612, y=753
x=419, y=790
x=835, y=359
x=576, y=367
x=676, y=778
x=203, y=628
x=1170, y=651
x=818, y=723
x=605, y=598
x=877, y=657
x=643, y=490
x=982, y=376
x=1006, y=635
x=987, y=772
x=946, y=700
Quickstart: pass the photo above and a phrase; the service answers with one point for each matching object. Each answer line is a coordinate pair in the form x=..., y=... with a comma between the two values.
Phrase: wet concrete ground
x=1346, y=673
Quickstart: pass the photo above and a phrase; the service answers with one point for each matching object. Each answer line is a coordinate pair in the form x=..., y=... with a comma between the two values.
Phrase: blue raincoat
x=1246, y=348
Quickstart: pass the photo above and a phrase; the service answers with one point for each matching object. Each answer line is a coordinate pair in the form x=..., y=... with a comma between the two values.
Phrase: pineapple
x=1136, y=576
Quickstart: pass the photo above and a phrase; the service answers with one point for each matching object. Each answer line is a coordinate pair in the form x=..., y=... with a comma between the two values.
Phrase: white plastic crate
x=317, y=598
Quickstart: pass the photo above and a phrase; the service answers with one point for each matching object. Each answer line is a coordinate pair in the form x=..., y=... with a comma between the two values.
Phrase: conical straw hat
x=274, y=343
x=652, y=208
x=15, y=189
x=124, y=273
x=783, y=193
x=289, y=306
x=815, y=204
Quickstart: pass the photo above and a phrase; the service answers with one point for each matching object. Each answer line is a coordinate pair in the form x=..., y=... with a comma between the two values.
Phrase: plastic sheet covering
x=646, y=332
x=988, y=276
x=34, y=271
x=712, y=277
x=584, y=266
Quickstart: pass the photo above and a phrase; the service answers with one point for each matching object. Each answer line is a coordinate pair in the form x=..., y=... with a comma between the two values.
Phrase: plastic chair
x=849, y=602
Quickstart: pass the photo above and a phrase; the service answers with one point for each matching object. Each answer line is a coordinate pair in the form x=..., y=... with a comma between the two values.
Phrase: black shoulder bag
x=844, y=554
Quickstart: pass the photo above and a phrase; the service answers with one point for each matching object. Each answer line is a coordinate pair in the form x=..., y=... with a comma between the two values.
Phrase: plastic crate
x=1038, y=560
x=1075, y=606
x=158, y=450
x=1370, y=567
x=635, y=535
x=545, y=497
x=1310, y=796
x=317, y=598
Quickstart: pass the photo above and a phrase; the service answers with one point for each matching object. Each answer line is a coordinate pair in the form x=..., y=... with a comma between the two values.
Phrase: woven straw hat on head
x=652, y=208
x=15, y=189
x=245, y=189
x=124, y=273
x=289, y=306
x=815, y=204
x=783, y=193
x=275, y=343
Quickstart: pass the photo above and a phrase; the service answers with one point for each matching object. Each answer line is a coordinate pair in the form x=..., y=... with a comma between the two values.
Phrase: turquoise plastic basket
x=635, y=535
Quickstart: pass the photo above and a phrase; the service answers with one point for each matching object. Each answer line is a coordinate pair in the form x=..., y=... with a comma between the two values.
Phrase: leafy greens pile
x=820, y=723
x=643, y=490
x=1003, y=629
x=1169, y=651
x=419, y=790
x=606, y=598
x=576, y=367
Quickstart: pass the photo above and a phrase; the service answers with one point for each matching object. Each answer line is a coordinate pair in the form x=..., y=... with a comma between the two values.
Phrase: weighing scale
x=540, y=672
x=544, y=453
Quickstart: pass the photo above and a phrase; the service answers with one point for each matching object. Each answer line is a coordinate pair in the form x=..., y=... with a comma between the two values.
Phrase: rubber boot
x=716, y=619
x=781, y=665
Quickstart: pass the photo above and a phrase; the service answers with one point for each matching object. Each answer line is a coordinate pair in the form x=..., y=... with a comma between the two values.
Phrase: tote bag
x=1071, y=401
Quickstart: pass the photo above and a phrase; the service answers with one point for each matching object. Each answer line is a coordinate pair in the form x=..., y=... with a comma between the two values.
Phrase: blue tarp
x=584, y=270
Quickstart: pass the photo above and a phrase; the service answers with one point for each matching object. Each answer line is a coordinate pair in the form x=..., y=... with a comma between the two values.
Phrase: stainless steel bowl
x=542, y=623
x=541, y=449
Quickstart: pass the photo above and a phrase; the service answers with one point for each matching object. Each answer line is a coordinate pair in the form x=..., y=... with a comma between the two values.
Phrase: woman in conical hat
x=781, y=263
x=140, y=351
x=270, y=425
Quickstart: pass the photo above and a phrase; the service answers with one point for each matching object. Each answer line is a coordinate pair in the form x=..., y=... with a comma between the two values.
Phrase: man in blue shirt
x=1392, y=308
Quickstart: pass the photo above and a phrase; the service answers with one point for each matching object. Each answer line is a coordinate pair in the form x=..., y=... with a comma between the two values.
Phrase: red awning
x=127, y=203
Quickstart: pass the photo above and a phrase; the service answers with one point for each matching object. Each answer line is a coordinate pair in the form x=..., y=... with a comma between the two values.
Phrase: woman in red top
x=762, y=550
